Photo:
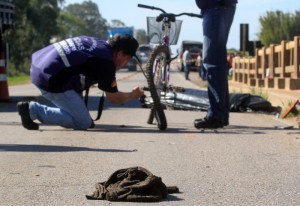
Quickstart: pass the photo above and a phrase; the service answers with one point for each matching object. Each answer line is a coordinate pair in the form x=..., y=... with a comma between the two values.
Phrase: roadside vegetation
x=16, y=80
x=40, y=23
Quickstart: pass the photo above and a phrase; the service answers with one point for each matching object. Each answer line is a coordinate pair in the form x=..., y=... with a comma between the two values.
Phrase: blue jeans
x=70, y=110
x=216, y=26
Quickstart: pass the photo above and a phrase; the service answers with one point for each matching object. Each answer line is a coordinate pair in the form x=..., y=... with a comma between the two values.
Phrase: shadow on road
x=172, y=198
x=137, y=129
x=172, y=129
x=240, y=129
x=10, y=105
x=53, y=148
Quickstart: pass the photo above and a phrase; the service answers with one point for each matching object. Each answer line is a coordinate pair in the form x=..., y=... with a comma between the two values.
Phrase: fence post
x=257, y=64
x=263, y=63
x=271, y=61
x=283, y=59
x=296, y=73
x=277, y=66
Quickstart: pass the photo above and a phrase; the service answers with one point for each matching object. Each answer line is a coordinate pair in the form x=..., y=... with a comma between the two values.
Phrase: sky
x=248, y=12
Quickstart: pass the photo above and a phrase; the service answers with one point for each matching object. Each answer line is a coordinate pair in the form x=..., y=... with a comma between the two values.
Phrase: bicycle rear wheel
x=156, y=72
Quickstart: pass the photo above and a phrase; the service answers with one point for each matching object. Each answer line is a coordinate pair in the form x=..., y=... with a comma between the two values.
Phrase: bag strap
x=100, y=106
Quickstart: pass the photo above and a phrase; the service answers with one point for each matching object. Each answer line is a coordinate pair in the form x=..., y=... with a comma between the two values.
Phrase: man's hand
x=137, y=92
x=122, y=97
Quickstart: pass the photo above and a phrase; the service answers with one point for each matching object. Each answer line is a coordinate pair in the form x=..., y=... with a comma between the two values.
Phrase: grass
x=16, y=80
x=295, y=112
x=255, y=92
x=259, y=92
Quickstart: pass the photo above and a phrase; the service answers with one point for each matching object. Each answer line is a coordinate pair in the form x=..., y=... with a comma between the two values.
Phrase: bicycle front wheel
x=156, y=72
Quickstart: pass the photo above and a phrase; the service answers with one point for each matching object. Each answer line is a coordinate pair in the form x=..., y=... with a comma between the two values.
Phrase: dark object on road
x=192, y=99
x=135, y=184
x=240, y=102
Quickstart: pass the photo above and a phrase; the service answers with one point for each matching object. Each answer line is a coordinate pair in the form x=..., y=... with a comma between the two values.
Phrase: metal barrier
x=277, y=66
x=6, y=22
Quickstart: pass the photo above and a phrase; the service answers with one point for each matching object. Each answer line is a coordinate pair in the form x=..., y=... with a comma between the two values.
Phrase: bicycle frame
x=167, y=19
x=166, y=69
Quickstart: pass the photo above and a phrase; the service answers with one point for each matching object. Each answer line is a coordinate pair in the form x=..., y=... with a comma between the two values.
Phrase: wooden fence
x=277, y=67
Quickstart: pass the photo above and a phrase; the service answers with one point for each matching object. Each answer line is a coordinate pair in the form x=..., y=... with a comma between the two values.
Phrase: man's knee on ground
x=83, y=124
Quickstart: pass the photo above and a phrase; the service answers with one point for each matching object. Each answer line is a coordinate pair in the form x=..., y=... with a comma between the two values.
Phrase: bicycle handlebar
x=191, y=14
x=156, y=8
x=151, y=7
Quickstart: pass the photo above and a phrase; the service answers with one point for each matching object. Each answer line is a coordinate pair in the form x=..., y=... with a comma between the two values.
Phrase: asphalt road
x=248, y=163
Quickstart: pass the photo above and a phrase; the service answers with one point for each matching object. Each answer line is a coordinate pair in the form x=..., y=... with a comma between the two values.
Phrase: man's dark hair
x=125, y=43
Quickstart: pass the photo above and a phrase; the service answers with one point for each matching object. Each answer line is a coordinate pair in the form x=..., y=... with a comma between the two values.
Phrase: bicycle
x=158, y=65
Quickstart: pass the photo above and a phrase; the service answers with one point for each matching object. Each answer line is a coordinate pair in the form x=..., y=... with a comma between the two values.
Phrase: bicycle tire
x=151, y=116
x=155, y=84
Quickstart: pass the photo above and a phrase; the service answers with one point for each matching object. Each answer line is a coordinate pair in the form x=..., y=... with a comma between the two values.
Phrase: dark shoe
x=226, y=123
x=23, y=110
x=209, y=123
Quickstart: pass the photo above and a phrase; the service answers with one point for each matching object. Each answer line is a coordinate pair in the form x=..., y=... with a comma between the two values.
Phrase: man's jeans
x=216, y=26
x=70, y=110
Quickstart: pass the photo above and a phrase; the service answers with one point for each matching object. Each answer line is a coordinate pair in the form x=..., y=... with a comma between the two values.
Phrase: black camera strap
x=100, y=106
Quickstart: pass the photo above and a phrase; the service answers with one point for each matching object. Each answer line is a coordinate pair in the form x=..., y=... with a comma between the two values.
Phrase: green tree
x=277, y=26
x=34, y=24
x=69, y=25
x=141, y=36
x=296, y=23
x=94, y=23
x=37, y=22
x=116, y=23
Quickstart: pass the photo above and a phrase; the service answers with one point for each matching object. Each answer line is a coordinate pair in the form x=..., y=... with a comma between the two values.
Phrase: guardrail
x=277, y=66
x=6, y=22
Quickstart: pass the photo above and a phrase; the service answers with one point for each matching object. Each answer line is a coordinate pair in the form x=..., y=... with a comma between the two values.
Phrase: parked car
x=195, y=48
x=131, y=65
x=143, y=53
x=143, y=57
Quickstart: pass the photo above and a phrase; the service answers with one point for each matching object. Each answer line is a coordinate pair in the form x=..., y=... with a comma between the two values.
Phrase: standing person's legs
x=229, y=16
x=70, y=110
x=186, y=72
x=215, y=30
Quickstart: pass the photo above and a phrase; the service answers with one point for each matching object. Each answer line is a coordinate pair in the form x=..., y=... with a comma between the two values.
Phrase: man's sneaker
x=23, y=110
x=209, y=123
x=226, y=123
